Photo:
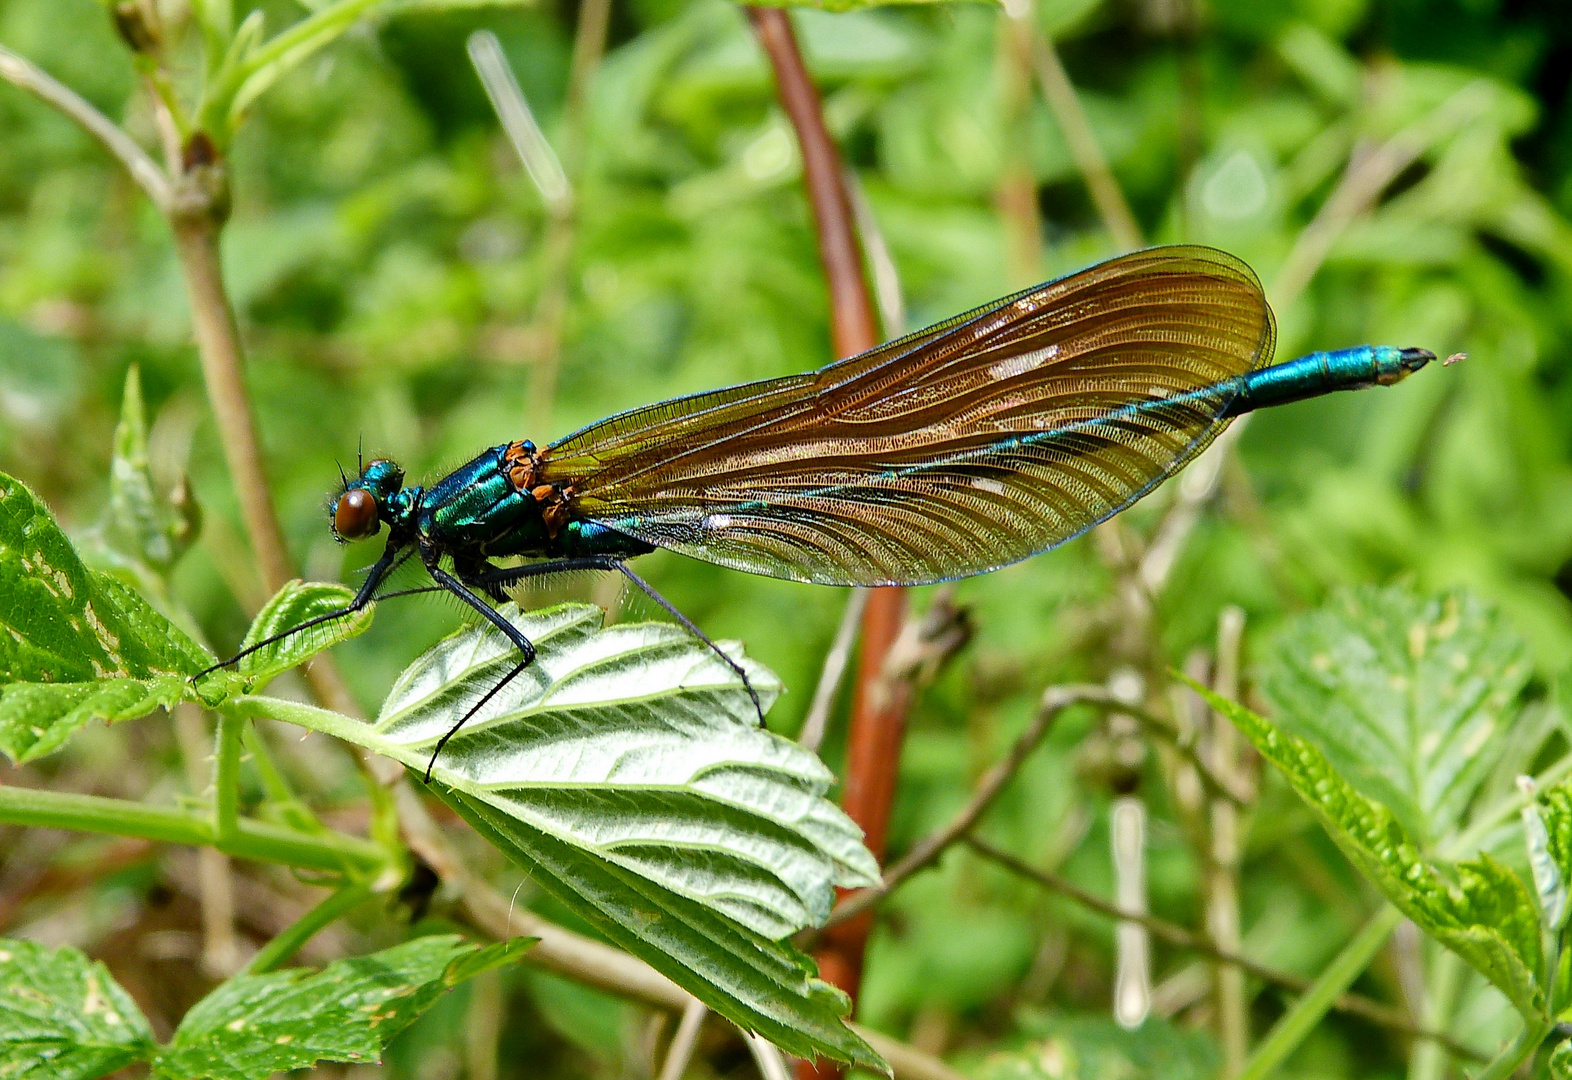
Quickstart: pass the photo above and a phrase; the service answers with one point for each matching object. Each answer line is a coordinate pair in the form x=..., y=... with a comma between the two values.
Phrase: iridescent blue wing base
x=956, y=450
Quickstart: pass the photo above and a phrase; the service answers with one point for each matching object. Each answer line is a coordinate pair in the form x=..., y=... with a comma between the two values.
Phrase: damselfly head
x=358, y=513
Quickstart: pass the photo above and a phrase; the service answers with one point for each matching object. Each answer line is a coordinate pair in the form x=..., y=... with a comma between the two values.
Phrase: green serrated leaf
x=38, y=718
x=1487, y=915
x=626, y=765
x=1404, y=694
x=254, y=1025
x=63, y=1016
x=75, y=645
x=761, y=985
x=636, y=743
x=294, y=604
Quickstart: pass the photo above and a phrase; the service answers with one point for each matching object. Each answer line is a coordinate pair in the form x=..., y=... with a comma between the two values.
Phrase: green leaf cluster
x=64, y=1017
x=623, y=769
x=79, y=645
x=1388, y=700
x=1479, y=908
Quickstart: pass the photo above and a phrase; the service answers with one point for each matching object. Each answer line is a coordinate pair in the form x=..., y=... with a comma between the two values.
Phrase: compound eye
x=355, y=515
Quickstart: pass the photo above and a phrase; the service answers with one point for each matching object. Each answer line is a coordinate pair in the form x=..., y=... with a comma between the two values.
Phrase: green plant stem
x=1307, y=1012
x=226, y=777
x=312, y=718
x=1428, y=1060
x=251, y=840
x=1508, y=1060
x=317, y=29
x=23, y=73
x=274, y=954
x=1087, y=152
x=274, y=784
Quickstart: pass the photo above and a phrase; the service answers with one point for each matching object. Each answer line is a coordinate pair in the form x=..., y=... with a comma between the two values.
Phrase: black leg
x=453, y=585
x=500, y=577
x=671, y=609
x=473, y=709
x=392, y=558
x=462, y=591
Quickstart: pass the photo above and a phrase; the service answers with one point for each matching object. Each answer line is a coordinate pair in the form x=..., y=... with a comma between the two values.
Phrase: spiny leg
x=491, y=614
x=525, y=647
x=473, y=709
x=512, y=574
x=392, y=558
x=687, y=623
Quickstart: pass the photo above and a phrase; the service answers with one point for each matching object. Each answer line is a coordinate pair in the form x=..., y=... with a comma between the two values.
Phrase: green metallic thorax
x=478, y=511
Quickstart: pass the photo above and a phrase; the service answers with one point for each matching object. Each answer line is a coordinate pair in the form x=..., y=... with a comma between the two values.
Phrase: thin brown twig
x=1366, y=177
x=925, y=643
x=218, y=343
x=930, y=848
x=1087, y=153
x=582, y=959
x=1222, y=856
x=834, y=670
x=223, y=372
x=1217, y=785
x=24, y=74
x=1176, y=935
x=1055, y=700
x=684, y=1040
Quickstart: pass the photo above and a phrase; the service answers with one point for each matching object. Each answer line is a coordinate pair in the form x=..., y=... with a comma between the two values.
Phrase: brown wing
x=992, y=436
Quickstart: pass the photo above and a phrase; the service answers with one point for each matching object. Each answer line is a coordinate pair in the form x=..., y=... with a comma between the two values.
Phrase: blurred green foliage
x=391, y=266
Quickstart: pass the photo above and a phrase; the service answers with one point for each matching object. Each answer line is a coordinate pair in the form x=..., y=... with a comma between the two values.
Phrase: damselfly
x=970, y=445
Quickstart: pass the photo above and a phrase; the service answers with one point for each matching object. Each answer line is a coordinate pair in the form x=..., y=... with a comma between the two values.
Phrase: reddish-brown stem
x=854, y=327
x=878, y=712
